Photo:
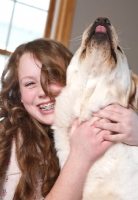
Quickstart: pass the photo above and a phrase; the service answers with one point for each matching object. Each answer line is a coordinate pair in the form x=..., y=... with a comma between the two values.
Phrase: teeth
x=47, y=106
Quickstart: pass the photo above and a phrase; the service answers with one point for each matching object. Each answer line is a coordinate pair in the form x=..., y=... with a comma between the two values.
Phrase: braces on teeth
x=47, y=107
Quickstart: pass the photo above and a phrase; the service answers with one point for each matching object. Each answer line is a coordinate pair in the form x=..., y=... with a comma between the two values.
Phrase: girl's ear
x=133, y=100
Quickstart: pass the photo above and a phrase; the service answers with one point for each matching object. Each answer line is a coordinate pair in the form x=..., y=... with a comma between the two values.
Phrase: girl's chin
x=47, y=120
x=44, y=117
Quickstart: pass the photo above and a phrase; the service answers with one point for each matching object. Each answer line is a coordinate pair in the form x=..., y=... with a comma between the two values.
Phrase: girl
x=34, y=76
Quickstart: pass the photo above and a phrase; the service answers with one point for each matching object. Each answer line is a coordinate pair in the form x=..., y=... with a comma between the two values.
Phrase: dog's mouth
x=99, y=27
x=101, y=31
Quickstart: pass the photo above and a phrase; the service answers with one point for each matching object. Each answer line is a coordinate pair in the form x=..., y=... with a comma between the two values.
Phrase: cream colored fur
x=95, y=80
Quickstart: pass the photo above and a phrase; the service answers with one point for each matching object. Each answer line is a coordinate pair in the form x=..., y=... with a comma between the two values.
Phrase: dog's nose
x=102, y=20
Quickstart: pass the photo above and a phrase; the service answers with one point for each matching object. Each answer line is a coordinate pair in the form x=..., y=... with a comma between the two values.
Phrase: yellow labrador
x=97, y=76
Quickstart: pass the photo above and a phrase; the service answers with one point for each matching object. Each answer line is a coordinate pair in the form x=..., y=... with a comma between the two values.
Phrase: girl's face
x=33, y=97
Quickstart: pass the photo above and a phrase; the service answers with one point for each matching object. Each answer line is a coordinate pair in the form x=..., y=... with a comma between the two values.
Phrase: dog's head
x=101, y=36
x=100, y=56
x=100, y=48
x=99, y=52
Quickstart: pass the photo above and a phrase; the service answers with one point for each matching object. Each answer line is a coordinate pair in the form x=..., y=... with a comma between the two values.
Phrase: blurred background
x=65, y=21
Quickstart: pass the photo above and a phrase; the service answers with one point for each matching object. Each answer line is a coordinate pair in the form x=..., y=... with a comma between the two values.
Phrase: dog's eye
x=118, y=47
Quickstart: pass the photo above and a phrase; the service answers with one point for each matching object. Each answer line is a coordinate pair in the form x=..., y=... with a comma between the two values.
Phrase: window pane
x=6, y=7
x=42, y=4
x=28, y=24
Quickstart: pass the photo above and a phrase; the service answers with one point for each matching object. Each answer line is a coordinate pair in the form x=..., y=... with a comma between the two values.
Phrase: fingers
x=107, y=144
x=113, y=113
x=114, y=137
x=116, y=108
x=93, y=119
x=113, y=127
x=104, y=120
x=112, y=116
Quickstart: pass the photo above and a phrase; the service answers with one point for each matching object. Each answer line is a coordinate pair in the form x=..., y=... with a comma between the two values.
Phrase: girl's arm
x=87, y=145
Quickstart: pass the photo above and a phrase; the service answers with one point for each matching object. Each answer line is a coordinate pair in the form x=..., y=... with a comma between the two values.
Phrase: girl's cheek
x=27, y=95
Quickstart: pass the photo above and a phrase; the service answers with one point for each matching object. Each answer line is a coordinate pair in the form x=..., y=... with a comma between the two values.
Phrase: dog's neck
x=98, y=82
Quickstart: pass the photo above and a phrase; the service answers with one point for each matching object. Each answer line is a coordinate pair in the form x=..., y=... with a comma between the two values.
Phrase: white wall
x=123, y=14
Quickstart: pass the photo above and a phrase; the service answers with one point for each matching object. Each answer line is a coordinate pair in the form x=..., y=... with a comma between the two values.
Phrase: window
x=20, y=21
x=25, y=20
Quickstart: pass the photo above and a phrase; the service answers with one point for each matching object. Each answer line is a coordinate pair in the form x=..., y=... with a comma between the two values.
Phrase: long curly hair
x=29, y=134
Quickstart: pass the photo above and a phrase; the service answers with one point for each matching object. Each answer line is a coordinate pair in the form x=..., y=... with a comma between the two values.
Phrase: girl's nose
x=41, y=92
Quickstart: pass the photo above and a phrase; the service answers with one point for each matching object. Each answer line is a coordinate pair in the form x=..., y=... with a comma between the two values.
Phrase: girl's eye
x=29, y=84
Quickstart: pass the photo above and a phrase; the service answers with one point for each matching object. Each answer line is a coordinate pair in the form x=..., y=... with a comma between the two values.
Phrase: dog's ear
x=133, y=100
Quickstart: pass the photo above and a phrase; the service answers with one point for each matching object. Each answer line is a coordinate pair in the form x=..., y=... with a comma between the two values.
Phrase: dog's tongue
x=100, y=29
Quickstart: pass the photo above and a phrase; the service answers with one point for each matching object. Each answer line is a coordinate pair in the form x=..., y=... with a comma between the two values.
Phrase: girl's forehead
x=29, y=58
x=28, y=66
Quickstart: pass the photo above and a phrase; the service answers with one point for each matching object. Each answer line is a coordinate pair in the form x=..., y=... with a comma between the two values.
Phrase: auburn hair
x=28, y=133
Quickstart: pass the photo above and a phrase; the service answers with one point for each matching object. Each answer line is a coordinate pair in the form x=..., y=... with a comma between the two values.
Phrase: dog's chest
x=113, y=177
x=91, y=93
x=119, y=164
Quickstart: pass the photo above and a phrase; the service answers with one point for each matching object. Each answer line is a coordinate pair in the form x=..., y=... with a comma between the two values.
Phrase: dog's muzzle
x=101, y=31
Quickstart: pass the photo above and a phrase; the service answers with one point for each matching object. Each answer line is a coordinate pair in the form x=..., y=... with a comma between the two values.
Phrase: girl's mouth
x=47, y=107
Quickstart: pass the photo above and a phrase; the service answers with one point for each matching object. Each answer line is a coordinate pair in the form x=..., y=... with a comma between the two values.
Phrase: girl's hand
x=124, y=125
x=87, y=145
x=87, y=141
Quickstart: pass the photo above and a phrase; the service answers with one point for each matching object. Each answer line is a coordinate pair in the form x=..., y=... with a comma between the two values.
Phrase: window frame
x=65, y=20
